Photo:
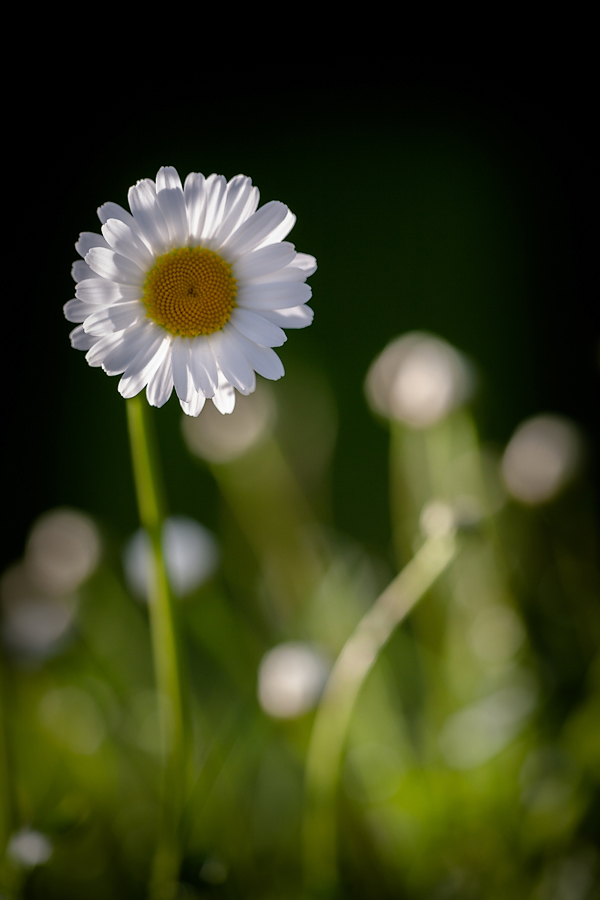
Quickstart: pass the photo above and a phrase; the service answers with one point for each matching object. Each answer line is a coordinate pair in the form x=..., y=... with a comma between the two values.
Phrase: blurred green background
x=450, y=201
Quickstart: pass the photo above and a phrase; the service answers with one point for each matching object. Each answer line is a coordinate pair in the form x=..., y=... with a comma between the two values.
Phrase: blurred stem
x=261, y=491
x=164, y=645
x=334, y=713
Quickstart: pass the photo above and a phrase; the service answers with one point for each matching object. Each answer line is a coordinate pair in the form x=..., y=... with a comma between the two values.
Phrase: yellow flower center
x=190, y=291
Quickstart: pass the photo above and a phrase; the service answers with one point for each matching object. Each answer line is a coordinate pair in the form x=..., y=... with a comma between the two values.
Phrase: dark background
x=454, y=197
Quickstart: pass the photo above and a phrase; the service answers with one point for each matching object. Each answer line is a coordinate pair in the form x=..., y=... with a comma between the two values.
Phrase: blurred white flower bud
x=541, y=457
x=29, y=848
x=34, y=624
x=190, y=550
x=63, y=550
x=418, y=379
x=220, y=439
x=291, y=678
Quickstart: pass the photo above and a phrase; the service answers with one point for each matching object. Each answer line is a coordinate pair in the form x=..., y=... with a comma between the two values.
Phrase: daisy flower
x=191, y=290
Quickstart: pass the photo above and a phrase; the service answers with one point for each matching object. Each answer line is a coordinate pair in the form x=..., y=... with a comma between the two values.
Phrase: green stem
x=351, y=668
x=164, y=644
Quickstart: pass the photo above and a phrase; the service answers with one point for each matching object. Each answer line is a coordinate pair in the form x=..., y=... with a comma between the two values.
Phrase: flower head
x=191, y=290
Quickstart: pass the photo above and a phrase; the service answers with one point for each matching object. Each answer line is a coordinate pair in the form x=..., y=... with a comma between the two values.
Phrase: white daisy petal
x=113, y=266
x=262, y=262
x=241, y=200
x=160, y=384
x=80, y=340
x=80, y=271
x=203, y=366
x=273, y=296
x=306, y=262
x=289, y=273
x=113, y=318
x=133, y=341
x=104, y=292
x=215, y=188
x=190, y=290
x=148, y=217
x=281, y=231
x=262, y=359
x=194, y=192
x=257, y=328
x=232, y=364
x=182, y=376
x=122, y=239
x=224, y=398
x=114, y=211
x=169, y=195
x=255, y=230
x=101, y=348
x=87, y=240
x=293, y=317
x=77, y=311
x=195, y=405
x=168, y=179
x=251, y=387
x=139, y=371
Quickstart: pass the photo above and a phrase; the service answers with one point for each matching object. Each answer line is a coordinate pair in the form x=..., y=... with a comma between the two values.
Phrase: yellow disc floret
x=190, y=291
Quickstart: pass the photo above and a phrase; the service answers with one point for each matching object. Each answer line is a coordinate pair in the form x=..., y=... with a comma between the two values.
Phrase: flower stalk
x=164, y=645
x=334, y=713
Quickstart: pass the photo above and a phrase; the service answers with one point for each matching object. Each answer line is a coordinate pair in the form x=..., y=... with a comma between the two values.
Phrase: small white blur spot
x=437, y=519
x=35, y=625
x=191, y=556
x=291, y=678
x=29, y=848
x=542, y=456
x=418, y=379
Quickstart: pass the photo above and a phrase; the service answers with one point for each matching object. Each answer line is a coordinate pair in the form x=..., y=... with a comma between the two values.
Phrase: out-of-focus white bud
x=63, y=550
x=220, y=439
x=190, y=550
x=291, y=678
x=34, y=624
x=541, y=458
x=29, y=848
x=418, y=379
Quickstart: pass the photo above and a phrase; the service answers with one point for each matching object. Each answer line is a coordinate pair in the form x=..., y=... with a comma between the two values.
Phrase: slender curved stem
x=333, y=716
x=164, y=644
